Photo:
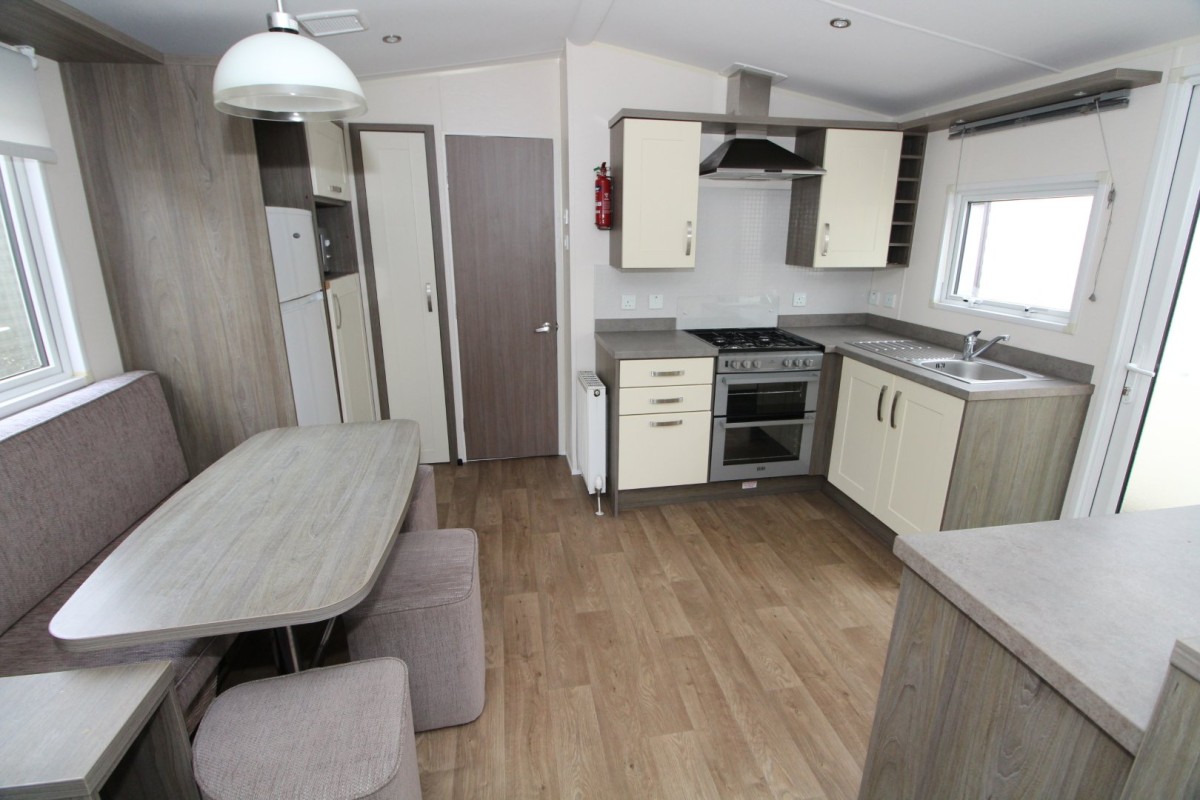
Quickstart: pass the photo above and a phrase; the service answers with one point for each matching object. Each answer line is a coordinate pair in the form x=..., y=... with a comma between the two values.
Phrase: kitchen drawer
x=666, y=371
x=663, y=449
x=666, y=399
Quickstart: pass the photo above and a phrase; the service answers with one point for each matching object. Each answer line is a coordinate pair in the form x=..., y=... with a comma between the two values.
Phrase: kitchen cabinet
x=348, y=327
x=844, y=217
x=327, y=161
x=894, y=444
x=664, y=422
x=655, y=169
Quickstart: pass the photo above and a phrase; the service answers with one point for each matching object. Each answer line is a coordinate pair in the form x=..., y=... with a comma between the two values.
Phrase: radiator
x=591, y=416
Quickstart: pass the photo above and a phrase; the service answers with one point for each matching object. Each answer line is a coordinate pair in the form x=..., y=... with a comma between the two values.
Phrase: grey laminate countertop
x=834, y=339
x=1094, y=606
x=654, y=344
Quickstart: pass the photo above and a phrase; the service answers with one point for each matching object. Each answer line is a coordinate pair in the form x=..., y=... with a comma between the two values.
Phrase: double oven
x=764, y=403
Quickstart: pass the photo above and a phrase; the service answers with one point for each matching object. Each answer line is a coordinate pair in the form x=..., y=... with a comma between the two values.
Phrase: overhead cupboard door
x=858, y=191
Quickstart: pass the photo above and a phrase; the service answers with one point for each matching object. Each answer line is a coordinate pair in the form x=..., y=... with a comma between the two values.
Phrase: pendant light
x=280, y=75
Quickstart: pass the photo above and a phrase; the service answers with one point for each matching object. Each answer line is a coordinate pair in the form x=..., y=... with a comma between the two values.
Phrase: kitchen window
x=39, y=353
x=1023, y=250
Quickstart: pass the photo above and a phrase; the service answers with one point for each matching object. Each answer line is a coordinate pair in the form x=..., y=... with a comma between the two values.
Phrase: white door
x=310, y=360
x=860, y=430
x=858, y=194
x=401, y=236
x=347, y=323
x=294, y=252
x=661, y=194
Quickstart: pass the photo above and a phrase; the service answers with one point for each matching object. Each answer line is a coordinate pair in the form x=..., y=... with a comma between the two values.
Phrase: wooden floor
x=723, y=649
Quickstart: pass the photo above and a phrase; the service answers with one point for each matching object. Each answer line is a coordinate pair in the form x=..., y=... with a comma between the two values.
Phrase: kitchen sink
x=976, y=371
x=945, y=361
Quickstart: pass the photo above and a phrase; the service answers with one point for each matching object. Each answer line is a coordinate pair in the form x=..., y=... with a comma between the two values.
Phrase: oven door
x=761, y=449
x=766, y=396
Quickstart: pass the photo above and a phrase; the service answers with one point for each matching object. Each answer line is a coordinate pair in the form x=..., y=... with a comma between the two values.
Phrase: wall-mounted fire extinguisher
x=604, y=216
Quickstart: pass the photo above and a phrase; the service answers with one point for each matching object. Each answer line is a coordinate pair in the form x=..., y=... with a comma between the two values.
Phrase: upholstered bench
x=336, y=733
x=426, y=609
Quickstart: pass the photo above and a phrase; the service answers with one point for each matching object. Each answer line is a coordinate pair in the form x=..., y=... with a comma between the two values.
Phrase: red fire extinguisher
x=604, y=217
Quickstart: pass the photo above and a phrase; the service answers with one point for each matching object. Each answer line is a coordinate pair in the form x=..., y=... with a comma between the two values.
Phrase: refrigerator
x=302, y=307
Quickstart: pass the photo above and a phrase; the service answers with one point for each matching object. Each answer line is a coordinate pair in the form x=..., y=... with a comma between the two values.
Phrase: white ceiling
x=898, y=57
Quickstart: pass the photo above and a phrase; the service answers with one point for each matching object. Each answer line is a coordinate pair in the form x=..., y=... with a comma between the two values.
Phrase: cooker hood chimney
x=748, y=154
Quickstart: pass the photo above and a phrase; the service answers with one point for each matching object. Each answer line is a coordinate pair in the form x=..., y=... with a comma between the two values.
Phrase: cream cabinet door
x=327, y=160
x=923, y=426
x=657, y=180
x=663, y=449
x=858, y=193
x=859, y=431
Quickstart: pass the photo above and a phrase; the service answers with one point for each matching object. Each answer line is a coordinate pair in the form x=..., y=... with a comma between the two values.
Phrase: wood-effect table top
x=292, y=526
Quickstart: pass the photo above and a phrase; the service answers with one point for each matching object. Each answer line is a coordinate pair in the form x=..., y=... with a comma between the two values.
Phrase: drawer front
x=666, y=371
x=666, y=399
x=663, y=449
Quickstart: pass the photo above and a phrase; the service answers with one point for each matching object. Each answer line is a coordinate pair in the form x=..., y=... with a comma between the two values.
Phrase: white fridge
x=302, y=306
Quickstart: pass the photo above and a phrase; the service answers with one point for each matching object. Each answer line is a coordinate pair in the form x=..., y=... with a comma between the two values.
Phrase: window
x=1022, y=250
x=39, y=356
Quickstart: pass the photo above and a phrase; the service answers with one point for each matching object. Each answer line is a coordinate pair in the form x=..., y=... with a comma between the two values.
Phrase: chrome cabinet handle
x=895, y=399
x=668, y=424
x=337, y=189
x=543, y=328
x=672, y=373
x=687, y=247
x=825, y=241
x=656, y=401
x=337, y=312
x=879, y=404
x=429, y=298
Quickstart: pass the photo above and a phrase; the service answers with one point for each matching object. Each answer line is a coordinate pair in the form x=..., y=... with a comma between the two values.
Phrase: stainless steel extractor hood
x=748, y=155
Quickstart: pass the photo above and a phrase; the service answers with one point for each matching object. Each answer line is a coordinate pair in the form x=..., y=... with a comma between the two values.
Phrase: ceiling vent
x=331, y=23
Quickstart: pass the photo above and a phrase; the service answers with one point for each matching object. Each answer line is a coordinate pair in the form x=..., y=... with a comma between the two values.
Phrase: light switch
x=873, y=298
x=628, y=302
x=656, y=302
x=799, y=299
x=889, y=300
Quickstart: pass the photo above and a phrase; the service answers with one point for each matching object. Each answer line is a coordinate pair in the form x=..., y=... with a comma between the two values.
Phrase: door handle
x=687, y=247
x=337, y=312
x=1132, y=367
x=544, y=327
x=668, y=424
x=654, y=401
x=879, y=404
x=825, y=241
x=429, y=298
x=895, y=398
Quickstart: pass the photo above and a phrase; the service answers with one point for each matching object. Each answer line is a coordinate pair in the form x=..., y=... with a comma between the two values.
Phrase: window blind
x=23, y=131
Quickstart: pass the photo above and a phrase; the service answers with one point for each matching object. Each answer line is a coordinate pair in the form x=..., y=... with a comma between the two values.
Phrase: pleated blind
x=23, y=131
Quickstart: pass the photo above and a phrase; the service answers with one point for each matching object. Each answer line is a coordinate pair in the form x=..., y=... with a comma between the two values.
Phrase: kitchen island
x=1028, y=660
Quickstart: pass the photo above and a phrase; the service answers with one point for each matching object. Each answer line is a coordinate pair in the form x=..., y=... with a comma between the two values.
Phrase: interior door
x=399, y=230
x=502, y=221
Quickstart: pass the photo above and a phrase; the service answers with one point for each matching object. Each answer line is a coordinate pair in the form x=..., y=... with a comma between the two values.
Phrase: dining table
x=292, y=526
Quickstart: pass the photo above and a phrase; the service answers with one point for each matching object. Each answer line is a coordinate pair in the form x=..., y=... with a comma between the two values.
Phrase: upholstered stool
x=326, y=734
x=425, y=609
x=422, y=509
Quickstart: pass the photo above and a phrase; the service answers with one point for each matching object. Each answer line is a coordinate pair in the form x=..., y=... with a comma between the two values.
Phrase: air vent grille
x=331, y=23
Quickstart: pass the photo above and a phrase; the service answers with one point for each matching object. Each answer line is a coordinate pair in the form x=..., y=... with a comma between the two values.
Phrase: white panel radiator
x=591, y=415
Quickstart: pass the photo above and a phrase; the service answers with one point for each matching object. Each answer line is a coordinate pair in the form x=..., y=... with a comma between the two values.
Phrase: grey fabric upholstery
x=426, y=610
x=422, y=510
x=77, y=474
x=325, y=734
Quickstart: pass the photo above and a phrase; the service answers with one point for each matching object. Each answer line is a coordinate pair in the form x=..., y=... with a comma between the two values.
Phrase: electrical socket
x=656, y=302
x=628, y=302
x=873, y=298
x=889, y=300
x=799, y=299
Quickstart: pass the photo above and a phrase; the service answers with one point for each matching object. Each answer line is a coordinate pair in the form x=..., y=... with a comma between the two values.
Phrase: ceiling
x=898, y=57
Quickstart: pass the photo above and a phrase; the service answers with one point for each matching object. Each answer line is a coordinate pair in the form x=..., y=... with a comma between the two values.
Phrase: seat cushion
x=338, y=732
x=425, y=568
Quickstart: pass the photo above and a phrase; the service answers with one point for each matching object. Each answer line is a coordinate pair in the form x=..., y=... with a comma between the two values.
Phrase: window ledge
x=40, y=393
x=1017, y=318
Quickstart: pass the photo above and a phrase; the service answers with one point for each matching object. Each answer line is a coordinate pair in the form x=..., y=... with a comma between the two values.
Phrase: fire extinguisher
x=604, y=217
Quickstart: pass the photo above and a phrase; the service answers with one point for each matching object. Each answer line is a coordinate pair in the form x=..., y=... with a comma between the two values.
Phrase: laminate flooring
x=704, y=650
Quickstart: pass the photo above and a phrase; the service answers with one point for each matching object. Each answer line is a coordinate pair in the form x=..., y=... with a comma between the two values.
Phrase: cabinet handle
x=668, y=424
x=895, y=399
x=429, y=298
x=687, y=247
x=656, y=401
x=337, y=312
x=337, y=189
x=879, y=404
x=670, y=373
x=825, y=241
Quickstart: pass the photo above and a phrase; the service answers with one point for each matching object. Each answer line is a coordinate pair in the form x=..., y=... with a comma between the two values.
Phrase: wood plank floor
x=721, y=649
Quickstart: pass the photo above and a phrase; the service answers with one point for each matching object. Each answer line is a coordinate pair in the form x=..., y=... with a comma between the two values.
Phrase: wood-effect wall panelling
x=283, y=164
x=806, y=197
x=174, y=195
x=1168, y=763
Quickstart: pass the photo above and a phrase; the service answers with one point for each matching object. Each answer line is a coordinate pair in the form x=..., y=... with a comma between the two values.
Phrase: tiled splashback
x=741, y=234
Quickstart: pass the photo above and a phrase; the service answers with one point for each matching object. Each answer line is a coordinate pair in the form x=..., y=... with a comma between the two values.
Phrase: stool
x=338, y=732
x=422, y=509
x=425, y=609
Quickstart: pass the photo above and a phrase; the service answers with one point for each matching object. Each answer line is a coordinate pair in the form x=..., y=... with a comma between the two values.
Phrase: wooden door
x=399, y=231
x=502, y=233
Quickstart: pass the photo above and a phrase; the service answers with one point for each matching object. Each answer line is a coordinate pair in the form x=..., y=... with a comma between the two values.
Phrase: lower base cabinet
x=664, y=449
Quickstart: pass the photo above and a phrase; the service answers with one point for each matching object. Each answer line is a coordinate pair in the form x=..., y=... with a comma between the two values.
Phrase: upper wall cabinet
x=327, y=159
x=656, y=192
x=844, y=217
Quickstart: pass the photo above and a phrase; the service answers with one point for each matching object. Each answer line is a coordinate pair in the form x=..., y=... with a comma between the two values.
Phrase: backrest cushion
x=75, y=473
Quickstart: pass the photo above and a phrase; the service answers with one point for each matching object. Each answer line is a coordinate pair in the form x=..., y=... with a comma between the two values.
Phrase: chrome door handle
x=895, y=398
x=669, y=424
x=429, y=298
x=668, y=373
x=825, y=241
x=543, y=328
x=654, y=401
x=337, y=312
x=333, y=188
x=879, y=404
x=687, y=247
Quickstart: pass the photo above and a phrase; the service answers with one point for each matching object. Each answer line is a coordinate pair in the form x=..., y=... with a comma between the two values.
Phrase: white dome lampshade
x=282, y=76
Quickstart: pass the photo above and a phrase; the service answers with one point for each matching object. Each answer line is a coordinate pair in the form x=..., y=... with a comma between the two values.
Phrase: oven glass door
x=763, y=449
x=766, y=396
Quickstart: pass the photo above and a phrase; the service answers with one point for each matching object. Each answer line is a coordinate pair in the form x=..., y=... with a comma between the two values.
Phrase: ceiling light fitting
x=280, y=75
x=839, y=23
x=391, y=38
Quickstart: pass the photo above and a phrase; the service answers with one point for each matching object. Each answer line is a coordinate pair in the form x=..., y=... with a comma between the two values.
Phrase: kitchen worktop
x=654, y=344
x=1094, y=606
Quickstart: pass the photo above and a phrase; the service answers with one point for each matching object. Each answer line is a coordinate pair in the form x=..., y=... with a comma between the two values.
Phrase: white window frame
x=37, y=248
x=959, y=198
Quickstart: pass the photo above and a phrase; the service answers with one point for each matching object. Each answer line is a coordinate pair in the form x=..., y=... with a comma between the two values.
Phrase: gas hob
x=761, y=350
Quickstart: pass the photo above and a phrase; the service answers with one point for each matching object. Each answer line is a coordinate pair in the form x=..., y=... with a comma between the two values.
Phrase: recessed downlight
x=391, y=38
x=839, y=23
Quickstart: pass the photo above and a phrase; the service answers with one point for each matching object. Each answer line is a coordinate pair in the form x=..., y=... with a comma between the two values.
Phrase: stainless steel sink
x=976, y=371
x=945, y=361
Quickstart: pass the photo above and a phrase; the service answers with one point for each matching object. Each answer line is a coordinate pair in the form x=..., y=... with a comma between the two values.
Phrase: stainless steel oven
x=763, y=424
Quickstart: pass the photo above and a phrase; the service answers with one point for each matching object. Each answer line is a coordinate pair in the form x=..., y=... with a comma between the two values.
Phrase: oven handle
x=772, y=423
x=805, y=376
